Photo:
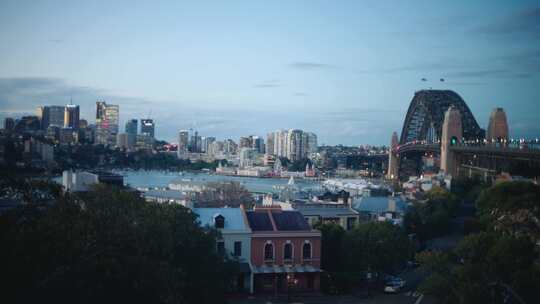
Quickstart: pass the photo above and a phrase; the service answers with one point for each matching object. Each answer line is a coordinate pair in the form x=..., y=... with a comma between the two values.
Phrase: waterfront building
x=71, y=116
x=148, y=127
x=107, y=119
x=234, y=240
x=169, y=197
x=247, y=157
x=285, y=251
x=183, y=143
x=78, y=181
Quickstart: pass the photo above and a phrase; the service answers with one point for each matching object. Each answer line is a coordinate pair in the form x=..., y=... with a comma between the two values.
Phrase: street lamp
x=291, y=282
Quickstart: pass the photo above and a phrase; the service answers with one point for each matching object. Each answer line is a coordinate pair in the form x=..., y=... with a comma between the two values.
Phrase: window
x=268, y=251
x=287, y=251
x=306, y=251
x=221, y=248
x=219, y=221
x=237, y=249
x=350, y=222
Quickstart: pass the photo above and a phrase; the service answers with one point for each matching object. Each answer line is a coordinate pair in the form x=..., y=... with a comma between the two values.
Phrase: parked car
x=393, y=284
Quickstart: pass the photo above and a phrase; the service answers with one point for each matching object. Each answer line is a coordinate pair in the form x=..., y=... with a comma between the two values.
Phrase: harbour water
x=161, y=179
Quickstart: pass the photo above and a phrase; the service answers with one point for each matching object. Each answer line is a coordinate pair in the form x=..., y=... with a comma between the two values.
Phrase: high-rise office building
x=270, y=139
x=131, y=131
x=51, y=116
x=245, y=142
x=206, y=142
x=147, y=127
x=9, y=124
x=183, y=143
x=280, y=143
x=107, y=117
x=71, y=117
x=311, y=142
x=257, y=143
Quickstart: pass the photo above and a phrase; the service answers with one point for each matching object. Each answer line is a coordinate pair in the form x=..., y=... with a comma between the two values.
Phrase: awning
x=285, y=269
x=245, y=268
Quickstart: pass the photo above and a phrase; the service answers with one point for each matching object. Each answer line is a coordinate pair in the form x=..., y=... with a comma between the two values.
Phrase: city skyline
x=345, y=71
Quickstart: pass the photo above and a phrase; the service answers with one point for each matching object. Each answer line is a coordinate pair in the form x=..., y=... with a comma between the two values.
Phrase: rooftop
x=261, y=220
x=234, y=219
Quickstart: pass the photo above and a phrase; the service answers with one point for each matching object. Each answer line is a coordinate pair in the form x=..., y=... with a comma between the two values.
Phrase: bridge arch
x=425, y=116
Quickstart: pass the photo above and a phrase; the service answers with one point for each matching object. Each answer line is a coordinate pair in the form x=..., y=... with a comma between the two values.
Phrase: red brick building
x=285, y=251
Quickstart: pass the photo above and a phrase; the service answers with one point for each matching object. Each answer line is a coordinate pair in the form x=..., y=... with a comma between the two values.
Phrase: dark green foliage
x=346, y=256
x=109, y=246
x=432, y=218
x=90, y=156
x=512, y=207
x=500, y=261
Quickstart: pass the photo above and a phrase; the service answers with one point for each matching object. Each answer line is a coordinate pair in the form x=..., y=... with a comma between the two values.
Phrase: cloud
x=526, y=22
x=489, y=73
x=300, y=94
x=307, y=65
x=267, y=84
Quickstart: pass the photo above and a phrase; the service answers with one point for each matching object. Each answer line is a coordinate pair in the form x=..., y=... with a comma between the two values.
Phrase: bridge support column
x=452, y=134
x=393, y=160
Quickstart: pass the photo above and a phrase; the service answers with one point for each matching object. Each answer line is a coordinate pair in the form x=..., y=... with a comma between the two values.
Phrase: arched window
x=268, y=251
x=306, y=251
x=287, y=251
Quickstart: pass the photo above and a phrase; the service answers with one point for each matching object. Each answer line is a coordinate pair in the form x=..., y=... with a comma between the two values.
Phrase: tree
x=512, y=207
x=220, y=194
x=498, y=264
x=432, y=218
x=380, y=247
x=109, y=246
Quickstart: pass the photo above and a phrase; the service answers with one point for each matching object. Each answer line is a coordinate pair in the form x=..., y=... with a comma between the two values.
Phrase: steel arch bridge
x=425, y=117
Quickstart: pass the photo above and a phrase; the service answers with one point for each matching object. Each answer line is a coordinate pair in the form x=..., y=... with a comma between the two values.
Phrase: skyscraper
x=147, y=127
x=131, y=131
x=51, y=116
x=311, y=144
x=270, y=143
x=107, y=117
x=71, y=117
x=295, y=145
x=183, y=143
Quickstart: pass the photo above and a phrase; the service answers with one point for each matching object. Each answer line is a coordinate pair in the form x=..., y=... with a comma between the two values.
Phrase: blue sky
x=346, y=70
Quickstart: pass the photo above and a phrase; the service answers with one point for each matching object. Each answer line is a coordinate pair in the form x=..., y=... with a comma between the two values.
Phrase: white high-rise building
x=295, y=145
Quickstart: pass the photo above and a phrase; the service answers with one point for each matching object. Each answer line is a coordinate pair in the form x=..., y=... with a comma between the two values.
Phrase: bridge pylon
x=452, y=134
x=393, y=160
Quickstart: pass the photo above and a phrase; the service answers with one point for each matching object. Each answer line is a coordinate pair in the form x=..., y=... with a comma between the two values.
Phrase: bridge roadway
x=525, y=152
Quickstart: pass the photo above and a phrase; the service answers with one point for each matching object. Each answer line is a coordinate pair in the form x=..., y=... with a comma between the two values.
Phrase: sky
x=346, y=70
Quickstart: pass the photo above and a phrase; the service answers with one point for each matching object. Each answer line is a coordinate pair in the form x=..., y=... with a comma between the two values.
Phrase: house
x=168, y=196
x=344, y=215
x=234, y=241
x=285, y=251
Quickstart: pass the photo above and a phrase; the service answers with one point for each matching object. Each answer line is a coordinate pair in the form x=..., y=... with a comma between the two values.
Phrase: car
x=392, y=287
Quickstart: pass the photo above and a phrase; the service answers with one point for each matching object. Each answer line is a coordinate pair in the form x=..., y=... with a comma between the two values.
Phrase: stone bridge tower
x=452, y=134
x=498, y=126
x=393, y=161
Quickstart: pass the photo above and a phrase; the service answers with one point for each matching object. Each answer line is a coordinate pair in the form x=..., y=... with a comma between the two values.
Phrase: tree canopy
x=499, y=263
x=109, y=246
